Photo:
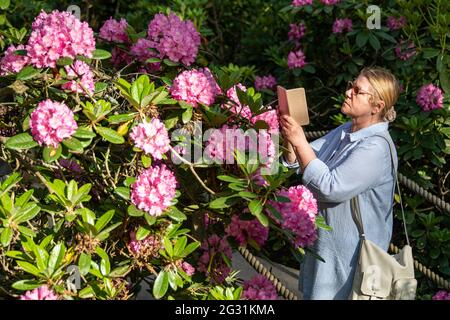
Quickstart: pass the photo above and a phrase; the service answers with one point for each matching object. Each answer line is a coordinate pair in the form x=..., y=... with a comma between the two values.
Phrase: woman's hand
x=292, y=131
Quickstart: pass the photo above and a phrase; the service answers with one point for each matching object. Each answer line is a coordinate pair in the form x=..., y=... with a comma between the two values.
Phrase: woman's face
x=357, y=99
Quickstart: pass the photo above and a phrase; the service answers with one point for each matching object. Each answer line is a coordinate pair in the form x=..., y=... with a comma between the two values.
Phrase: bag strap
x=354, y=203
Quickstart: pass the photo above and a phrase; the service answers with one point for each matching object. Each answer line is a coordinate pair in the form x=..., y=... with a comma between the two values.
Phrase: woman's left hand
x=292, y=131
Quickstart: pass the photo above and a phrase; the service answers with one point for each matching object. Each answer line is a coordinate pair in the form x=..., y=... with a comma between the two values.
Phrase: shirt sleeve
x=363, y=169
x=315, y=145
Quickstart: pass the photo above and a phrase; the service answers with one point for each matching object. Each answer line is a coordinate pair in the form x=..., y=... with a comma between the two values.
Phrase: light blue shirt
x=347, y=165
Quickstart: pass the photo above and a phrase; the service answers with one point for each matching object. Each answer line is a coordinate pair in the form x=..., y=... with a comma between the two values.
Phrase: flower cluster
x=211, y=261
x=430, y=97
x=296, y=59
x=146, y=248
x=244, y=230
x=342, y=25
x=152, y=137
x=300, y=3
x=114, y=31
x=235, y=105
x=271, y=118
x=173, y=38
x=404, y=50
x=299, y=214
x=141, y=51
x=442, y=295
x=396, y=24
x=262, y=145
x=154, y=190
x=51, y=122
x=297, y=31
x=187, y=268
x=220, y=146
x=265, y=82
x=41, y=293
x=81, y=71
x=330, y=2
x=12, y=62
x=259, y=288
x=195, y=86
x=57, y=35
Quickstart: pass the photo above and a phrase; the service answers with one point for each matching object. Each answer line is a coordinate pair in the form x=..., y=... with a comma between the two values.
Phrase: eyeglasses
x=356, y=90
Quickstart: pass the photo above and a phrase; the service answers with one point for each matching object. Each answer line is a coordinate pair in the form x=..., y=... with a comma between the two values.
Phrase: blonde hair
x=387, y=88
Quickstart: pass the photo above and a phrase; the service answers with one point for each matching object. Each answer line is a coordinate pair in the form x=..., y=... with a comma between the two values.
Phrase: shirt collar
x=365, y=132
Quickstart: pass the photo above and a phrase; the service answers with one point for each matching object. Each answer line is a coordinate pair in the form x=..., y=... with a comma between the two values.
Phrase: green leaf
x=142, y=233
x=105, y=266
x=161, y=285
x=84, y=263
x=430, y=53
x=104, y=219
x=255, y=207
x=26, y=231
x=20, y=141
x=83, y=133
x=51, y=154
x=65, y=61
x=179, y=247
x=123, y=192
x=134, y=212
x=119, y=271
x=28, y=267
x=27, y=73
x=149, y=219
x=6, y=236
x=168, y=246
x=119, y=118
x=100, y=86
x=110, y=135
x=223, y=202
x=247, y=194
x=71, y=190
x=26, y=285
x=4, y=4
x=176, y=214
x=100, y=54
x=56, y=257
x=229, y=178
x=190, y=248
x=153, y=60
x=73, y=144
x=374, y=42
x=187, y=115
x=361, y=39
x=146, y=161
x=170, y=63
x=320, y=223
x=26, y=213
x=23, y=199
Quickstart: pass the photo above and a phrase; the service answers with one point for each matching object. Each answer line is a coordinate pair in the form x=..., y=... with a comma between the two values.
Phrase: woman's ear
x=379, y=105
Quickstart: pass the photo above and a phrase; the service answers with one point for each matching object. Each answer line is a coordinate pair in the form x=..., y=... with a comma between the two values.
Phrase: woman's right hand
x=292, y=131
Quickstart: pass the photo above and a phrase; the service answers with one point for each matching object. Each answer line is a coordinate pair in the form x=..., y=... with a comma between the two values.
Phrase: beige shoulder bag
x=380, y=275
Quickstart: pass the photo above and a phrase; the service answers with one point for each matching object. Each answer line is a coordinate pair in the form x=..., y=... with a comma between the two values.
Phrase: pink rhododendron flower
x=441, y=295
x=342, y=25
x=235, y=105
x=330, y=2
x=152, y=137
x=299, y=215
x=57, y=35
x=223, y=142
x=297, y=31
x=211, y=261
x=154, y=189
x=12, y=62
x=299, y=3
x=188, y=268
x=243, y=230
x=263, y=146
x=259, y=288
x=120, y=57
x=114, y=31
x=41, y=293
x=52, y=122
x=141, y=51
x=81, y=71
x=173, y=38
x=271, y=118
x=405, y=50
x=296, y=59
x=395, y=24
x=265, y=82
x=195, y=86
x=430, y=97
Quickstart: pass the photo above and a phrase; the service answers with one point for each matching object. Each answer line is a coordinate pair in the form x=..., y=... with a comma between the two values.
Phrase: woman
x=352, y=160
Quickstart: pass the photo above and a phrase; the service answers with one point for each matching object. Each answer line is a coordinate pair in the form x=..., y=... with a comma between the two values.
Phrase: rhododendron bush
x=138, y=164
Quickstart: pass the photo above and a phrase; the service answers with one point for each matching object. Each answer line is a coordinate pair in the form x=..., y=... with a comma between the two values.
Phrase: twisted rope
x=260, y=268
x=441, y=282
